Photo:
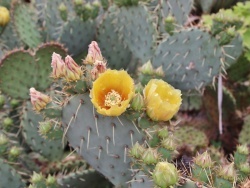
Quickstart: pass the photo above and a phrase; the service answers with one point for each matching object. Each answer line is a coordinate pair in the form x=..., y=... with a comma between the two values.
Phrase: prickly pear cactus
x=102, y=141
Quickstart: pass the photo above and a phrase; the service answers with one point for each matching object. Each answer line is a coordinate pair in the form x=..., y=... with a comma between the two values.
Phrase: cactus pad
x=190, y=59
x=50, y=149
x=21, y=70
x=76, y=35
x=102, y=141
x=113, y=48
x=139, y=34
x=8, y=176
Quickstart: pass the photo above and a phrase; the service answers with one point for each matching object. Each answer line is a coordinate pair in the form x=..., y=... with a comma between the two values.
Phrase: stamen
x=112, y=98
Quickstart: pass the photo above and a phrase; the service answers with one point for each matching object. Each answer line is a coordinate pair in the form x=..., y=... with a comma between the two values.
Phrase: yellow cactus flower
x=4, y=16
x=162, y=100
x=112, y=92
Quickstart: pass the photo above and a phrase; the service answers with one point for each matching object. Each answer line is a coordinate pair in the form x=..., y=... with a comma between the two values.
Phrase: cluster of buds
x=148, y=69
x=67, y=69
x=95, y=59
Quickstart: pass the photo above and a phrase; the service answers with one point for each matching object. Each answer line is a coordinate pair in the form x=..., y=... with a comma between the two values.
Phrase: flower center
x=112, y=98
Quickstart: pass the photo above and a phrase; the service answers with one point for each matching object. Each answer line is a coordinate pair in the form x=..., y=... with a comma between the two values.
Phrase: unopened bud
x=63, y=11
x=4, y=16
x=51, y=181
x=7, y=123
x=242, y=149
x=3, y=139
x=73, y=71
x=14, y=103
x=245, y=168
x=49, y=130
x=58, y=66
x=137, y=150
x=159, y=71
x=147, y=68
x=137, y=102
x=38, y=99
x=2, y=101
x=165, y=174
x=14, y=152
x=99, y=67
x=37, y=178
x=150, y=156
x=163, y=133
x=94, y=54
x=227, y=172
x=203, y=160
x=169, y=143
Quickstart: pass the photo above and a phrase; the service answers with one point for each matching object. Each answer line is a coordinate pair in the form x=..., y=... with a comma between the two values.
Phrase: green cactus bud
x=3, y=144
x=2, y=101
x=169, y=143
x=14, y=103
x=137, y=150
x=14, y=153
x=159, y=72
x=63, y=11
x=38, y=180
x=78, y=2
x=7, y=123
x=244, y=171
x=105, y=4
x=150, y=156
x=49, y=130
x=170, y=24
x=137, y=102
x=163, y=133
x=51, y=182
x=147, y=68
x=165, y=174
x=203, y=160
x=139, y=88
x=96, y=6
x=227, y=172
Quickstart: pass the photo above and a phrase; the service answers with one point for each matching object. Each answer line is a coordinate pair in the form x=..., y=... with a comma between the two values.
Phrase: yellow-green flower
x=162, y=100
x=4, y=16
x=112, y=92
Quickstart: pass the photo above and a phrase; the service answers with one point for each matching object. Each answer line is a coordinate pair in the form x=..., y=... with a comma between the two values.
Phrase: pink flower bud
x=94, y=54
x=58, y=65
x=38, y=99
x=73, y=71
x=99, y=67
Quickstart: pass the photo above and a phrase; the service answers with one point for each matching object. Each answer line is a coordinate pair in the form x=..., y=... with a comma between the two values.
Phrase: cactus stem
x=96, y=125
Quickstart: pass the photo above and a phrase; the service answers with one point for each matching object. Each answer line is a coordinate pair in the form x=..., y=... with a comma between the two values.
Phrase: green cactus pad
x=136, y=27
x=9, y=39
x=192, y=137
x=141, y=180
x=25, y=24
x=180, y=11
x=52, y=150
x=244, y=134
x=190, y=59
x=20, y=70
x=85, y=178
x=112, y=46
x=191, y=102
x=102, y=141
x=76, y=35
x=8, y=176
x=233, y=51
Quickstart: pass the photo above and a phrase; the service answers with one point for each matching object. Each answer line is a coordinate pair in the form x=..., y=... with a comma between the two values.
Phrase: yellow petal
x=162, y=100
